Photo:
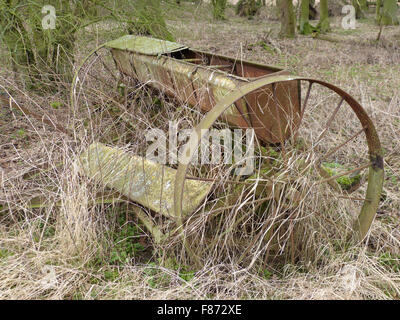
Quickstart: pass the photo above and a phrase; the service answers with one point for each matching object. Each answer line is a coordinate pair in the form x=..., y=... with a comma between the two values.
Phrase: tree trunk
x=219, y=7
x=387, y=14
x=40, y=45
x=305, y=27
x=313, y=11
x=247, y=8
x=43, y=54
x=287, y=17
x=361, y=7
x=378, y=11
x=324, y=24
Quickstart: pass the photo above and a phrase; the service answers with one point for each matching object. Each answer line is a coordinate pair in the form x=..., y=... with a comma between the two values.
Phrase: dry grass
x=73, y=249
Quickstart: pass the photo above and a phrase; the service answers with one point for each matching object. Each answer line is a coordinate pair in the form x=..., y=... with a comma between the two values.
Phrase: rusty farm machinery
x=317, y=153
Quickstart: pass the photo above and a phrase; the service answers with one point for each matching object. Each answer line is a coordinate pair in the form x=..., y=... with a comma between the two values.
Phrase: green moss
x=263, y=45
x=270, y=153
x=111, y=275
x=345, y=182
x=21, y=133
x=266, y=274
x=186, y=274
x=307, y=28
x=56, y=104
x=390, y=261
x=4, y=253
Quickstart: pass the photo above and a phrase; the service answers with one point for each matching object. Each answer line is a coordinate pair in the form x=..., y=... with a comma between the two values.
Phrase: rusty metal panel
x=198, y=85
x=212, y=86
x=179, y=75
x=143, y=181
x=275, y=118
x=123, y=63
x=140, y=64
x=202, y=86
x=145, y=45
x=251, y=71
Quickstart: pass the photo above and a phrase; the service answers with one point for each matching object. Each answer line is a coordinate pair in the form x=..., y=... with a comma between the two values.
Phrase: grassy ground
x=71, y=249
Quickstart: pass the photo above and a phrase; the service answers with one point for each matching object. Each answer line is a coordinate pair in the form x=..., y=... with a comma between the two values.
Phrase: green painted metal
x=144, y=45
x=145, y=182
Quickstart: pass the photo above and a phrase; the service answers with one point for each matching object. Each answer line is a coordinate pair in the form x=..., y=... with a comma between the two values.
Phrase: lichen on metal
x=244, y=95
x=376, y=175
x=194, y=84
x=145, y=45
x=143, y=181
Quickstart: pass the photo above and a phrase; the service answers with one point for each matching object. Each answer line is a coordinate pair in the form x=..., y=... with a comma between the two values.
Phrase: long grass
x=62, y=236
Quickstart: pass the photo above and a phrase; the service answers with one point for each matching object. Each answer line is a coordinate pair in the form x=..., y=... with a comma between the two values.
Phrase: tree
x=248, y=8
x=324, y=25
x=378, y=16
x=305, y=27
x=219, y=7
x=361, y=7
x=386, y=12
x=44, y=57
x=287, y=17
x=40, y=44
x=313, y=11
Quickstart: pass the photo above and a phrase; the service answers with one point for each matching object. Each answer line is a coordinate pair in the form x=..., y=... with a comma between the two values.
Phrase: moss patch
x=346, y=182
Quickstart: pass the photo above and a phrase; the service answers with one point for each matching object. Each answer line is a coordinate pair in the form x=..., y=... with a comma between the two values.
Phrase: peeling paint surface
x=145, y=45
x=145, y=182
x=205, y=79
x=194, y=84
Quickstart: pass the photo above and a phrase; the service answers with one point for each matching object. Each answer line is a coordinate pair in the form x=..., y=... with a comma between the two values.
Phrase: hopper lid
x=145, y=45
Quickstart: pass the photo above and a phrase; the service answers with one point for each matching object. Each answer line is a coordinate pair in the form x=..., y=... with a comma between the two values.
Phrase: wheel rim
x=375, y=165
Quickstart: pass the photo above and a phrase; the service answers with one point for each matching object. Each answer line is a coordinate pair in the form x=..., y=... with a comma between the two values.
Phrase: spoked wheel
x=113, y=107
x=106, y=103
x=97, y=95
x=327, y=164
